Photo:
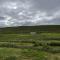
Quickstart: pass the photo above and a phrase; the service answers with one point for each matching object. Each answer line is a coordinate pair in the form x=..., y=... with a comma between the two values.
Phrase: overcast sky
x=29, y=12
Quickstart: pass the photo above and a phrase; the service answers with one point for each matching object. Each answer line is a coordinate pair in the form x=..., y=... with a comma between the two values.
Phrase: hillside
x=27, y=29
x=17, y=43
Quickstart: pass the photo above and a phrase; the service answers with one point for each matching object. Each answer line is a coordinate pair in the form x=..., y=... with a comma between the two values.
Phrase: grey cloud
x=2, y=23
x=29, y=12
x=46, y=4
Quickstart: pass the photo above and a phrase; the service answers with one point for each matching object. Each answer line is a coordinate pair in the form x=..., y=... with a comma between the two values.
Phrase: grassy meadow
x=30, y=43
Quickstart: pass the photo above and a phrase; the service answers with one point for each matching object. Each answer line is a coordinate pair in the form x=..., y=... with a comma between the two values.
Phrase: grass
x=39, y=46
x=22, y=53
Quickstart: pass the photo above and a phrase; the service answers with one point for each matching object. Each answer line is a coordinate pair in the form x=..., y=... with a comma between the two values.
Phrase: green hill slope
x=27, y=29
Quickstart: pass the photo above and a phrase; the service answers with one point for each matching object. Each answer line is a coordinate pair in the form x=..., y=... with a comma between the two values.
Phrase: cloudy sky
x=29, y=12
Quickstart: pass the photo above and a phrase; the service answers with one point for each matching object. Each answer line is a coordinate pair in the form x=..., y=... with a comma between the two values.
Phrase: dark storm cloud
x=29, y=12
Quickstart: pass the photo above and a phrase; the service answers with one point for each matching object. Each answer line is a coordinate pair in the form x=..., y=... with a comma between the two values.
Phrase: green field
x=30, y=43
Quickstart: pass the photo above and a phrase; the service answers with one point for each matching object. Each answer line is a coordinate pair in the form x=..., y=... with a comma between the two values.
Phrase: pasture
x=30, y=43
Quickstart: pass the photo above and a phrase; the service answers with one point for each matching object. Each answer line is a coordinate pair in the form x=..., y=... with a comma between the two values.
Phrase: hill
x=27, y=29
x=16, y=43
